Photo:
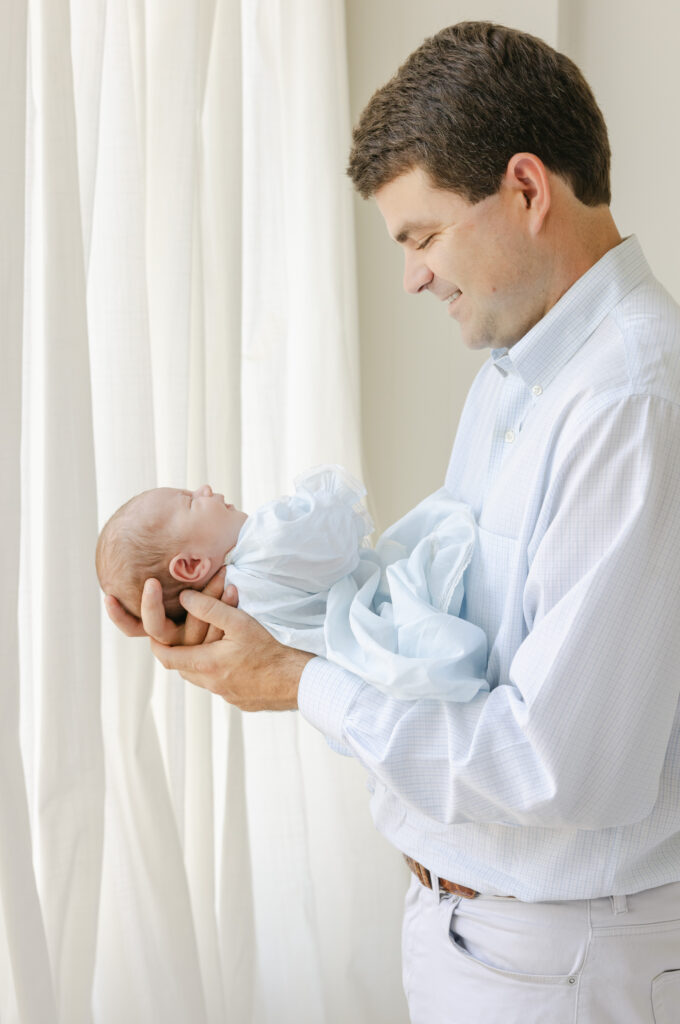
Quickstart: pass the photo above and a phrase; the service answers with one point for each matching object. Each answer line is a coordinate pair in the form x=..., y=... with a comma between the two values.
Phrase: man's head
x=471, y=97
x=489, y=160
x=178, y=537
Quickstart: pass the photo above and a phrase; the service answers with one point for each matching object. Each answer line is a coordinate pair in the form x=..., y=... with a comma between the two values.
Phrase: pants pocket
x=666, y=997
x=445, y=984
x=525, y=941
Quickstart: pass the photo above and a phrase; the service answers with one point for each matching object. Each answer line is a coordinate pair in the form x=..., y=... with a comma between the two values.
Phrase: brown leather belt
x=423, y=875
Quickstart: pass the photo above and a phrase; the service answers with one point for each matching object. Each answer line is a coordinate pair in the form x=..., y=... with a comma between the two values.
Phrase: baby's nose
x=203, y=492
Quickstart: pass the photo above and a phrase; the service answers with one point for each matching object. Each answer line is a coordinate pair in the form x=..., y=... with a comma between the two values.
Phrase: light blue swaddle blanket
x=389, y=614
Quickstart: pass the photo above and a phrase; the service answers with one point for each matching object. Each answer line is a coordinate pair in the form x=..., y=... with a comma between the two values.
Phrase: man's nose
x=417, y=274
x=203, y=492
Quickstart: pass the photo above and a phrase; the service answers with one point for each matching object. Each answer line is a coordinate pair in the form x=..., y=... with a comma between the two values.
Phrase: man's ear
x=528, y=178
x=190, y=569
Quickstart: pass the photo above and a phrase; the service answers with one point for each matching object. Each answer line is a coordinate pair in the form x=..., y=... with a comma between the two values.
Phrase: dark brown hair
x=471, y=97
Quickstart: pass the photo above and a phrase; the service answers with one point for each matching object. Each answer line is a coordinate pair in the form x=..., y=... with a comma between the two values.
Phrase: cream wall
x=415, y=370
x=628, y=52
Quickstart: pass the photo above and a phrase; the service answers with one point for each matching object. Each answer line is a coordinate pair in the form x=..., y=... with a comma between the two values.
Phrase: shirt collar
x=540, y=355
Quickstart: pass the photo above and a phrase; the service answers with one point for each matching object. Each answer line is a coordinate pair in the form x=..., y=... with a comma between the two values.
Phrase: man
x=541, y=820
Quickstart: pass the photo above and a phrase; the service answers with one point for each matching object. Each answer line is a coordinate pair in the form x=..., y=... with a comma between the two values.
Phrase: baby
x=181, y=538
x=303, y=569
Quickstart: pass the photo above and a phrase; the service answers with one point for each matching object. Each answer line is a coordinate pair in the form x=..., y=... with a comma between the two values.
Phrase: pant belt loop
x=619, y=904
x=436, y=891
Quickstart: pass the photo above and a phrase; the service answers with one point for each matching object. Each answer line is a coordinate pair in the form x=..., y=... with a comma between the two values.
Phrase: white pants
x=495, y=960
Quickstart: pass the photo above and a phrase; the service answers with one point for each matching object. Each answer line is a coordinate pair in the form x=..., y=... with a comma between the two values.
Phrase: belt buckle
x=453, y=888
x=457, y=890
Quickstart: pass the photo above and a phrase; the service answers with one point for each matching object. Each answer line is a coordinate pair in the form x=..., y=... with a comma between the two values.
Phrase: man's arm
x=577, y=736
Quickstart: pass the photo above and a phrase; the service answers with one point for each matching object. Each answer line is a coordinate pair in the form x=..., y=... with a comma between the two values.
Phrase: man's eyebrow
x=408, y=229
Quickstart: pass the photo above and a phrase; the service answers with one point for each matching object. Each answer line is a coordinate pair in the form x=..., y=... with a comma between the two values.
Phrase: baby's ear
x=189, y=569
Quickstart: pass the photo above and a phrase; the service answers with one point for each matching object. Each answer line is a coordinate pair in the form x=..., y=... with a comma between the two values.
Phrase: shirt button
x=537, y=390
x=509, y=436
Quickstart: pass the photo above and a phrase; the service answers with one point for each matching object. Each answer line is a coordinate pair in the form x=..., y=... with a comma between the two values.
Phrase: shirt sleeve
x=578, y=736
x=324, y=697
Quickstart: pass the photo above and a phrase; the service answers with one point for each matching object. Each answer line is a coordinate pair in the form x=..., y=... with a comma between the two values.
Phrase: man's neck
x=581, y=237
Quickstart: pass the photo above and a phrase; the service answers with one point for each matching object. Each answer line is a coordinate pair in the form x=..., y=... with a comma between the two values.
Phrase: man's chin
x=476, y=342
x=487, y=337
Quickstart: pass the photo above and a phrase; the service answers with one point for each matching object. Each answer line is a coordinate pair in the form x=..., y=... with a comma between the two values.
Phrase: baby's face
x=199, y=521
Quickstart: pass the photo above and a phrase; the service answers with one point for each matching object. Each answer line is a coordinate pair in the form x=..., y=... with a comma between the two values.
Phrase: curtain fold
x=26, y=990
x=20, y=919
x=182, y=309
x=60, y=697
x=300, y=364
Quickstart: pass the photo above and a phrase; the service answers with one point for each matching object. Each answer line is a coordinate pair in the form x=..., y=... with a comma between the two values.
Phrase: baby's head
x=178, y=537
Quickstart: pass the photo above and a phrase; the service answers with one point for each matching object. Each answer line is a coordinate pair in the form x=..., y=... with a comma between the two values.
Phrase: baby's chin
x=236, y=522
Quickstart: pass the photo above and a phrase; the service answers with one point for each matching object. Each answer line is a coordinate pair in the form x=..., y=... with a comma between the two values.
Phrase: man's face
x=199, y=522
x=479, y=259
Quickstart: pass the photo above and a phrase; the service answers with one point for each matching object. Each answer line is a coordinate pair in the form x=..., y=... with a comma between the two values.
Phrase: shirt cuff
x=325, y=695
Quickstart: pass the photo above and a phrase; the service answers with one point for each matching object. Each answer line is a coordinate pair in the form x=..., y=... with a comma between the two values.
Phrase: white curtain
x=178, y=306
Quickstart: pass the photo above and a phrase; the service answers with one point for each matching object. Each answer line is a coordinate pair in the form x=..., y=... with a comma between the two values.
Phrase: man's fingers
x=215, y=584
x=179, y=659
x=126, y=623
x=153, y=615
x=205, y=608
x=227, y=595
x=195, y=630
x=213, y=634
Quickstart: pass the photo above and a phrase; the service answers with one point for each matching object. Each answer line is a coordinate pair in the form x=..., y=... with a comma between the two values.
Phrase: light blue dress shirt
x=563, y=781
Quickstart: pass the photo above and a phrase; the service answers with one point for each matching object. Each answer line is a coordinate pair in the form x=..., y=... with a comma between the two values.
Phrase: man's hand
x=247, y=666
x=154, y=622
